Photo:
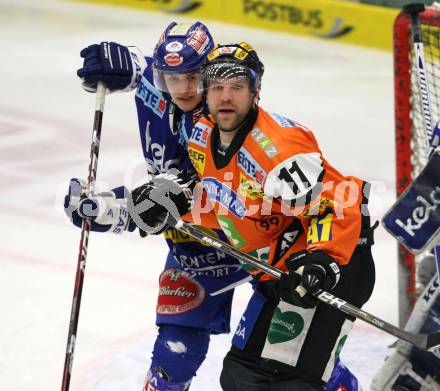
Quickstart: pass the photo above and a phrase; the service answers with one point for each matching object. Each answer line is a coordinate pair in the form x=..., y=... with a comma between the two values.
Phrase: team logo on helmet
x=174, y=47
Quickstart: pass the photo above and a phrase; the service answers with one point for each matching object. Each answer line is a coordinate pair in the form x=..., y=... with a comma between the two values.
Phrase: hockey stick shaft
x=423, y=341
x=413, y=11
x=83, y=245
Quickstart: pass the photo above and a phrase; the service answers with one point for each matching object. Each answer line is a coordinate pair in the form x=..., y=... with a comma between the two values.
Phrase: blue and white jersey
x=164, y=128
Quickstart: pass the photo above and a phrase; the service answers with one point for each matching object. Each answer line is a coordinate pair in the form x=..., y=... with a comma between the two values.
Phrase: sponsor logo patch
x=198, y=40
x=218, y=191
x=230, y=231
x=180, y=29
x=250, y=167
x=174, y=47
x=319, y=208
x=200, y=134
x=239, y=53
x=249, y=188
x=264, y=142
x=151, y=97
x=225, y=50
x=173, y=59
x=151, y=384
x=314, y=19
x=180, y=237
x=286, y=122
x=178, y=293
x=284, y=326
x=198, y=159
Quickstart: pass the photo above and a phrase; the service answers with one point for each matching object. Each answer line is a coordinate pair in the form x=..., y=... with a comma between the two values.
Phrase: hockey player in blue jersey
x=168, y=105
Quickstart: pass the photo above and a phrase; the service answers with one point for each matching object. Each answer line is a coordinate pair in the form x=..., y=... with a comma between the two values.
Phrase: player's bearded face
x=229, y=101
x=183, y=89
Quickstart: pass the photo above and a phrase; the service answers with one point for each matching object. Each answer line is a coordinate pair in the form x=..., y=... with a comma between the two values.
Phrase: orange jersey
x=277, y=178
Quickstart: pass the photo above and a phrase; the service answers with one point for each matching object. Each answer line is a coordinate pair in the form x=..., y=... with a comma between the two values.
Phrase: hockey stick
x=83, y=245
x=413, y=11
x=422, y=341
x=432, y=135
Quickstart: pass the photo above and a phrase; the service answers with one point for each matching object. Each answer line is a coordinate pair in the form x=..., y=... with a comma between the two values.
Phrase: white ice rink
x=343, y=93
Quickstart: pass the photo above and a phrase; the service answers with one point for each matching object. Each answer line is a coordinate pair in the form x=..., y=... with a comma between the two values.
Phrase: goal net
x=410, y=133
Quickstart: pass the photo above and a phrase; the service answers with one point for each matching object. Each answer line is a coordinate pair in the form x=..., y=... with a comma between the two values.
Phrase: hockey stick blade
x=422, y=341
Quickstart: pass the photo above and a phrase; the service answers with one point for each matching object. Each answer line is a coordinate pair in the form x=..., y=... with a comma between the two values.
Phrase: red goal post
x=410, y=139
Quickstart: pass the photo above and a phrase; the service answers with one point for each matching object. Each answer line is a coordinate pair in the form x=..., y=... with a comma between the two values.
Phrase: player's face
x=183, y=89
x=229, y=102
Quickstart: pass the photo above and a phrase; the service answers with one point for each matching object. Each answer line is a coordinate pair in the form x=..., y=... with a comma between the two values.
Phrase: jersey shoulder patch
x=286, y=122
x=151, y=97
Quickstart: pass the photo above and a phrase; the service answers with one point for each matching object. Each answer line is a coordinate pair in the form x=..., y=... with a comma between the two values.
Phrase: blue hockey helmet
x=182, y=48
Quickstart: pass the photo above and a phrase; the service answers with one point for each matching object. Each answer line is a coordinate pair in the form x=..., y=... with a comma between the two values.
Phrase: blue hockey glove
x=159, y=204
x=118, y=67
x=106, y=211
x=308, y=273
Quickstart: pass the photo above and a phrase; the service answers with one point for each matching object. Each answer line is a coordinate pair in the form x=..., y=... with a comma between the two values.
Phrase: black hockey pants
x=236, y=376
x=248, y=369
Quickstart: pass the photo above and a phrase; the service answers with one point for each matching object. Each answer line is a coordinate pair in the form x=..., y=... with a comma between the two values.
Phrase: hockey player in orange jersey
x=275, y=196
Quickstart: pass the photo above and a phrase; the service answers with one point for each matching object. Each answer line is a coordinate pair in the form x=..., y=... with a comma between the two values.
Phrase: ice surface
x=343, y=93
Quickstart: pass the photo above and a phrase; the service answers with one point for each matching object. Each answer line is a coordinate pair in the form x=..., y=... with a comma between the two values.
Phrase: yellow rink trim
x=334, y=20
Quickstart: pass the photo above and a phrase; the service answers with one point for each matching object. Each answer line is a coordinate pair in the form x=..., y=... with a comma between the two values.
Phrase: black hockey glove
x=158, y=205
x=271, y=290
x=308, y=273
